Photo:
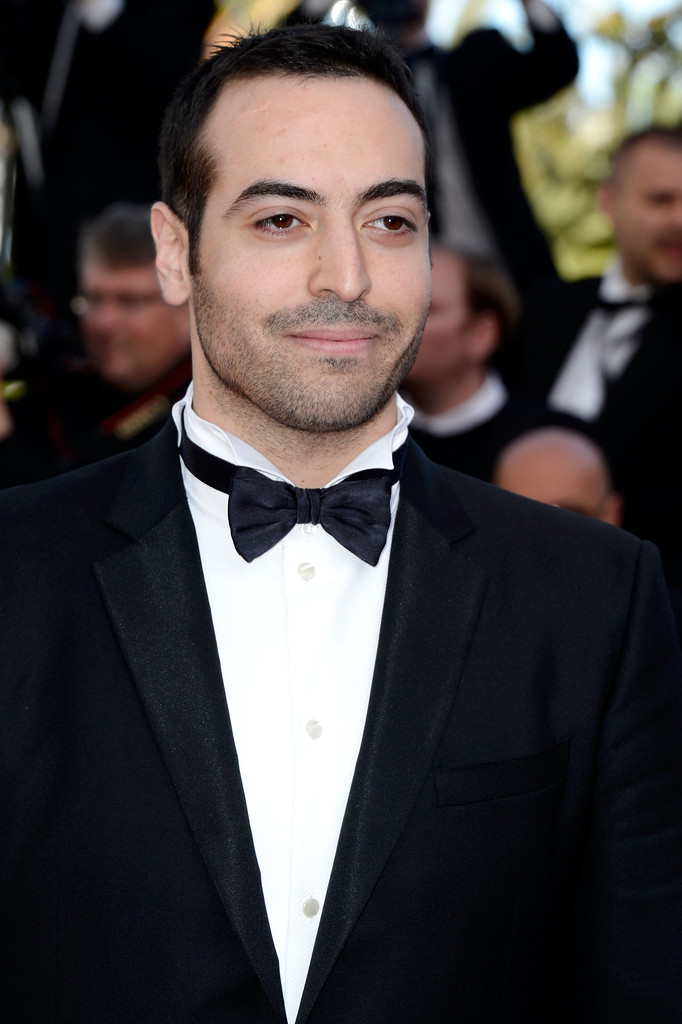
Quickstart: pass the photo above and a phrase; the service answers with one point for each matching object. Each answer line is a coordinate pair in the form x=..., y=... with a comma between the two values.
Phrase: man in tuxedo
x=463, y=413
x=298, y=726
x=115, y=389
x=86, y=83
x=608, y=349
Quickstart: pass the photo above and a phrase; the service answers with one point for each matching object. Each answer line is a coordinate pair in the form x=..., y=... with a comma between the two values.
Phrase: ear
x=484, y=337
x=605, y=199
x=172, y=249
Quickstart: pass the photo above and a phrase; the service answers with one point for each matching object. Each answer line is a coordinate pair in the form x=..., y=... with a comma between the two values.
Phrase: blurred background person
x=562, y=467
x=134, y=363
x=464, y=414
x=86, y=82
x=470, y=94
x=131, y=337
x=609, y=349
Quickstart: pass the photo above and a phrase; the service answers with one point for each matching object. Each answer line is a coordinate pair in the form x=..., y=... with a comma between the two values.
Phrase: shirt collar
x=213, y=439
x=615, y=287
x=485, y=403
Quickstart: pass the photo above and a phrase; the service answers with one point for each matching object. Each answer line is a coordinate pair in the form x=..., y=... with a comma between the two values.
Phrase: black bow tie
x=356, y=511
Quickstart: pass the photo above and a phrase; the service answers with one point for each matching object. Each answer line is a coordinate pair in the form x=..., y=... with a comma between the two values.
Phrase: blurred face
x=645, y=205
x=314, y=274
x=133, y=338
x=445, y=350
x=559, y=472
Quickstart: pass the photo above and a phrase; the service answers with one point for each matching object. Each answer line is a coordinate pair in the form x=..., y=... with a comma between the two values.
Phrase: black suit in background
x=512, y=847
x=640, y=426
x=103, y=146
x=69, y=416
x=487, y=81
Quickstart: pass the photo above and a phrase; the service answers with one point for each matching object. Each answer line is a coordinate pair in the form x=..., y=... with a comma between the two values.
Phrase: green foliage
x=563, y=147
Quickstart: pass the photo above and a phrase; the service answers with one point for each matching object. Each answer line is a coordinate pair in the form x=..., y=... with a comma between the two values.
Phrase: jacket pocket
x=495, y=780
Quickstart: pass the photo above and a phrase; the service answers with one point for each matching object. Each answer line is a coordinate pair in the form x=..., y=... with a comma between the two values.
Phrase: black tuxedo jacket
x=512, y=845
x=103, y=148
x=640, y=426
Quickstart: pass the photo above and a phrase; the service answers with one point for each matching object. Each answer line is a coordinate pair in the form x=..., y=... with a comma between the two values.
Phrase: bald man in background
x=560, y=467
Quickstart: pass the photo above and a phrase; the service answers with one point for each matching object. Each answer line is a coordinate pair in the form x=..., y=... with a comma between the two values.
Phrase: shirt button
x=310, y=907
x=309, y=529
x=314, y=729
x=306, y=571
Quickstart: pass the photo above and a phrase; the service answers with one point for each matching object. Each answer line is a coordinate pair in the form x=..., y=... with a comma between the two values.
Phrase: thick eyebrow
x=286, y=190
x=391, y=189
x=278, y=190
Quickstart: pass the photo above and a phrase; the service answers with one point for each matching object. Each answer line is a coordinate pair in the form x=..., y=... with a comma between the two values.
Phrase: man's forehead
x=269, y=88
x=274, y=112
x=651, y=160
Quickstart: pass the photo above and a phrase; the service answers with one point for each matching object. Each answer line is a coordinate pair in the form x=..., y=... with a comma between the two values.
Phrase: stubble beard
x=252, y=368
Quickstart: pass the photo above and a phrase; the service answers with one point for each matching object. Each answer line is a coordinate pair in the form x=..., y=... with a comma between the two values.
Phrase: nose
x=339, y=265
x=104, y=315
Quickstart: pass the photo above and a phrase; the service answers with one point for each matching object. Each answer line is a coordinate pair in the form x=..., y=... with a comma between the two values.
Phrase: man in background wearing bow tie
x=609, y=349
x=298, y=726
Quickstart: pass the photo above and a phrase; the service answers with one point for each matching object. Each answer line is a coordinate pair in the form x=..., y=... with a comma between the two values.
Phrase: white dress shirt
x=297, y=631
x=602, y=349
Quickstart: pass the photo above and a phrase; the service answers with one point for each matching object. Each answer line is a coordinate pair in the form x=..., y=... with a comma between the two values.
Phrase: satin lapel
x=433, y=599
x=157, y=602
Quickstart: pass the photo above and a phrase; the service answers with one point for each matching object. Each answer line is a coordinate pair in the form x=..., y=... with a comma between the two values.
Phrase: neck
x=440, y=396
x=307, y=458
x=633, y=275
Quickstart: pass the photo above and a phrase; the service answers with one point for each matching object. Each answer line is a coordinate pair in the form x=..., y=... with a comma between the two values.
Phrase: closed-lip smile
x=335, y=339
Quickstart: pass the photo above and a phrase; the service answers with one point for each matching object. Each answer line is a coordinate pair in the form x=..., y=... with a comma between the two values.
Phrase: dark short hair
x=119, y=236
x=658, y=134
x=186, y=164
x=490, y=289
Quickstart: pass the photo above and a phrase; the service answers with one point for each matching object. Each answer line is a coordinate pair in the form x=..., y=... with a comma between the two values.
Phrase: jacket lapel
x=419, y=664
x=156, y=598
x=653, y=371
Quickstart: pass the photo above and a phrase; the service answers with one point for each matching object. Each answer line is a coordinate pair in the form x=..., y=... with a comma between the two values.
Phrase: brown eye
x=278, y=224
x=394, y=224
